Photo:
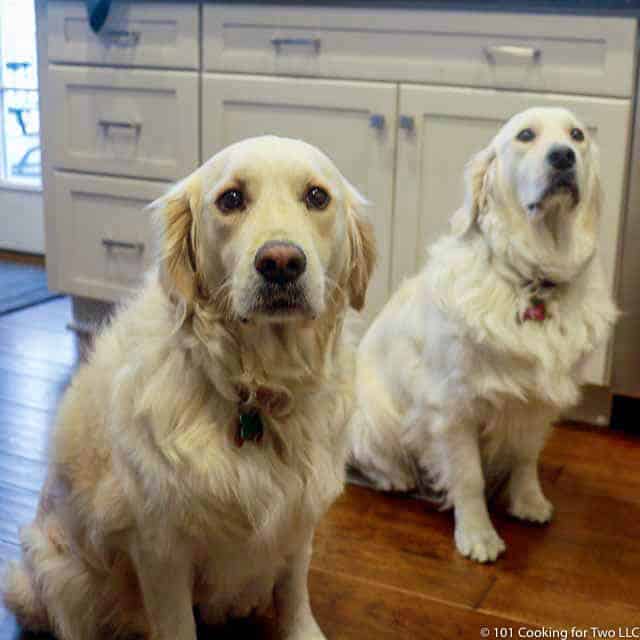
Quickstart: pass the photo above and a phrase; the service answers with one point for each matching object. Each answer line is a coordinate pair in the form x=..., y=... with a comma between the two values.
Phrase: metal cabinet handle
x=407, y=123
x=123, y=38
x=278, y=43
x=531, y=54
x=376, y=121
x=109, y=244
x=119, y=124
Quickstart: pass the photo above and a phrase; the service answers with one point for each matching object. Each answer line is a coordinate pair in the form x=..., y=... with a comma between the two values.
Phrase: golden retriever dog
x=461, y=375
x=196, y=450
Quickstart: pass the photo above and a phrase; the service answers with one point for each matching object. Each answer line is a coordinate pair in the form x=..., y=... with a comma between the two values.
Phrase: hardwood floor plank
x=21, y=257
x=17, y=508
x=50, y=371
x=51, y=316
x=551, y=604
x=25, y=418
x=413, y=551
x=39, y=344
x=21, y=473
x=15, y=440
x=31, y=392
x=351, y=609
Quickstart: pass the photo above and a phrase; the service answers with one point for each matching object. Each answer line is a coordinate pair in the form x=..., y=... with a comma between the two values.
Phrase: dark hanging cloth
x=98, y=12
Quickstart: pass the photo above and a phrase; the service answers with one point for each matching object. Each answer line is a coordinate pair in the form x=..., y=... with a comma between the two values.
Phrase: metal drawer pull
x=521, y=53
x=407, y=123
x=119, y=124
x=376, y=121
x=278, y=43
x=109, y=244
x=124, y=38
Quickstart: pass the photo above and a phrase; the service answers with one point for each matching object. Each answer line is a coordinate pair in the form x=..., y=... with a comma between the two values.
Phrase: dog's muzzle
x=281, y=266
x=563, y=181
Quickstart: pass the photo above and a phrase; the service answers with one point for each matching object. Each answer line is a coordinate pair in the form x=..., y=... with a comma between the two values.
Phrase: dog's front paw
x=480, y=544
x=531, y=506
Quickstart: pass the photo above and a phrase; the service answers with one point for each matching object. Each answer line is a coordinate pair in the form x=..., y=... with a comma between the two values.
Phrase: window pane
x=19, y=82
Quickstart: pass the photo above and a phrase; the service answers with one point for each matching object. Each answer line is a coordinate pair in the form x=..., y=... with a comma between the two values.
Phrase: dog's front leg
x=526, y=499
x=295, y=620
x=166, y=583
x=474, y=534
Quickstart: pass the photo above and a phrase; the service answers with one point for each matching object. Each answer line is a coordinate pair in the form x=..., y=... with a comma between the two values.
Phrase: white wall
x=21, y=220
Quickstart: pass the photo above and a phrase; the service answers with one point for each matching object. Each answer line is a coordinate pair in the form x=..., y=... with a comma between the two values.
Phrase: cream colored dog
x=464, y=370
x=196, y=451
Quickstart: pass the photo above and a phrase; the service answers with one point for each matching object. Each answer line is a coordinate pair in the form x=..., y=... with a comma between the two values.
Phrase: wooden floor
x=385, y=567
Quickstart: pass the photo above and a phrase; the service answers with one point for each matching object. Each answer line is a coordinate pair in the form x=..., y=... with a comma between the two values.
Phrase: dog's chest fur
x=505, y=359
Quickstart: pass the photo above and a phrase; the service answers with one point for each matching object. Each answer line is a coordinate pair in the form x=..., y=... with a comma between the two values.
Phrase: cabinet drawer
x=152, y=34
x=547, y=53
x=137, y=123
x=103, y=235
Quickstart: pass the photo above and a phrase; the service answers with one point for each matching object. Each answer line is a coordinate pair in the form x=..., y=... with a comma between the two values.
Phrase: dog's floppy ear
x=362, y=247
x=176, y=215
x=477, y=185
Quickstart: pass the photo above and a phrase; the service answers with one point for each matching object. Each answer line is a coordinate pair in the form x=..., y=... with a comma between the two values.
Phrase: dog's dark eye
x=317, y=198
x=577, y=134
x=526, y=135
x=232, y=200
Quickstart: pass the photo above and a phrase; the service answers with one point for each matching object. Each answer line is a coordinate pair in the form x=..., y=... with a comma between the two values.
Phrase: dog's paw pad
x=482, y=545
x=533, y=507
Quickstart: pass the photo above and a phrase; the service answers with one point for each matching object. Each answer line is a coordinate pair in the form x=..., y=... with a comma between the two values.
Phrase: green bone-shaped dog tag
x=250, y=427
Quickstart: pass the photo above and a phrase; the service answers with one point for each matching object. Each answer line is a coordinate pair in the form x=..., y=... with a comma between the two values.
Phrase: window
x=19, y=113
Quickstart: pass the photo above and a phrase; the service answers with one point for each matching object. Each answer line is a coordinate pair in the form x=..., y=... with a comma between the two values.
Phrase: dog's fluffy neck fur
x=553, y=246
x=286, y=357
x=486, y=292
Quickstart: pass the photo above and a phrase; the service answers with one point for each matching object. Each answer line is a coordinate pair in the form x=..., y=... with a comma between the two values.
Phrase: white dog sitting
x=464, y=370
x=195, y=452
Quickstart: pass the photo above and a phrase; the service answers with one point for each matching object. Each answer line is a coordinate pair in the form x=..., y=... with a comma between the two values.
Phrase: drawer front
x=132, y=123
x=103, y=234
x=152, y=34
x=547, y=53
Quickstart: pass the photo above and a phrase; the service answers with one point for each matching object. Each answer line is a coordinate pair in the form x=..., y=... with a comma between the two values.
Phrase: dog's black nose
x=562, y=157
x=280, y=262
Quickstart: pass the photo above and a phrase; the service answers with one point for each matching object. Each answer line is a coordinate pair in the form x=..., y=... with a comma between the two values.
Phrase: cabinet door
x=449, y=126
x=103, y=235
x=352, y=122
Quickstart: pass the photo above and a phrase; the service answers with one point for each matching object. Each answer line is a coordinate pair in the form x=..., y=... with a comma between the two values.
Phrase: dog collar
x=253, y=405
x=536, y=310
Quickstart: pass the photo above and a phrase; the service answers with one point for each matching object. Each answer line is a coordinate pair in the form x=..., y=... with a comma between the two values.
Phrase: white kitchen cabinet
x=124, y=122
x=105, y=239
x=444, y=127
x=153, y=34
x=352, y=122
x=399, y=98
x=571, y=54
